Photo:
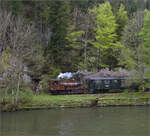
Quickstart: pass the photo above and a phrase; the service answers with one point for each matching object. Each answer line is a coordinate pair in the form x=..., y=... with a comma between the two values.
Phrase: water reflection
x=107, y=121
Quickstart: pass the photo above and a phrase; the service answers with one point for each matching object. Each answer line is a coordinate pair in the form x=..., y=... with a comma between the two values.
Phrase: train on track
x=100, y=82
x=91, y=85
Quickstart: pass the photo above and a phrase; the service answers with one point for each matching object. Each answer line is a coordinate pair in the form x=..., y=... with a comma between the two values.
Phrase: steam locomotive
x=58, y=86
x=91, y=85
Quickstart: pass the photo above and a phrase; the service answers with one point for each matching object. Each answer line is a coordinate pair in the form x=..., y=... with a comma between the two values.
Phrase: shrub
x=44, y=84
x=126, y=91
x=25, y=96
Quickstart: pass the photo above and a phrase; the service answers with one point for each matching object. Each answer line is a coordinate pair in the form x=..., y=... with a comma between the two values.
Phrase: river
x=103, y=121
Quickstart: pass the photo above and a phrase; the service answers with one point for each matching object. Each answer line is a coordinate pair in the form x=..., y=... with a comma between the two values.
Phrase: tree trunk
x=0, y=97
x=85, y=43
x=17, y=93
x=85, y=55
x=5, y=96
x=13, y=101
x=37, y=90
x=98, y=59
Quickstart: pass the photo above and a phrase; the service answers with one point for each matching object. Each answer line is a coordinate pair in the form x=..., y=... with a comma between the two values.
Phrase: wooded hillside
x=43, y=38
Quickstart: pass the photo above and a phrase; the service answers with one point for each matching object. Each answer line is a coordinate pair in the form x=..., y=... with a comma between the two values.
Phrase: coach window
x=98, y=81
x=106, y=81
x=115, y=81
x=55, y=83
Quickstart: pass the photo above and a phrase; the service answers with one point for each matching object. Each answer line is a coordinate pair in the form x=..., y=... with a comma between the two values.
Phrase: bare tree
x=17, y=41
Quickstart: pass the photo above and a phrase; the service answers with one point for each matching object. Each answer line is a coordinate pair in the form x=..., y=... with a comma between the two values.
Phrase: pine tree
x=136, y=54
x=145, y=32
x=143, y=54
x=16, y=7
x=145, y=45
x=121, y=20
x=131, y=40
x=60, y=23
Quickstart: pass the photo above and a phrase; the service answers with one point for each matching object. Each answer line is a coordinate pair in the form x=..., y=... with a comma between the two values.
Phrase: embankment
x=47, y=101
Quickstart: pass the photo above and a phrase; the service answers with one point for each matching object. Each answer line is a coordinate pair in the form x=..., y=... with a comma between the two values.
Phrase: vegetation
x=39, y=39
x=86, y=100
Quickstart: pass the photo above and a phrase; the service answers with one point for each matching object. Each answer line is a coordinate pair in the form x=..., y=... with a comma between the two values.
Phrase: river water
x=103, y=121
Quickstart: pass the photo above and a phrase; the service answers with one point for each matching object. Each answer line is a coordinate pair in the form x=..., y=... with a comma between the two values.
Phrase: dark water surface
x=106, y=121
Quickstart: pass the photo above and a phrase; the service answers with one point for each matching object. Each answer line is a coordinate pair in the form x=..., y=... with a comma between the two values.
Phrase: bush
x=44, y=84
x=44, y=90
x=25, y=96
x=126, y=91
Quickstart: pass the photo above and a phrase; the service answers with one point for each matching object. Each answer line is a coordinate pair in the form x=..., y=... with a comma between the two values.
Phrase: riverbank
x=88, y=100
x=47, y=101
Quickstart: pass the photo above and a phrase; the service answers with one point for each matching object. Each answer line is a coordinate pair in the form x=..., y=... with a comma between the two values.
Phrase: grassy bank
x=87, y=100
x=84, y=100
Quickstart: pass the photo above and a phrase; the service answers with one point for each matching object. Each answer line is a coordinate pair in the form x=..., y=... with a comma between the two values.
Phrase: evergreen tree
x=144, y=52
x=140, y=5
x=147, y=4
x=60, y=23
x=145, y=35
x=4, y=5
x=16, y=7
x=121, y=20
x=131, y=40
x=145, y=32
x=131, y=6
x=136, y=54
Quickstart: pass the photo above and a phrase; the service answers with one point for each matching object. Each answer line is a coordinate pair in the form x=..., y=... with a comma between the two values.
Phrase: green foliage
x=106, y=27
x=126, y=91
x=73, y=38
x=77, y=43
x=46, y=13
x=36, y=63
x=73, y=49
x=105, y=35
x=145, y=44
x=44, y=83
x=16, y=7
x=136, y=53
x=145, y=32
x=54, y=72
x=121, y=20
x=143, y=54
x=60, y=23
x=131, y=6
x=5, y=61
x=132, y=41
x=127, y=58
x=25, y=96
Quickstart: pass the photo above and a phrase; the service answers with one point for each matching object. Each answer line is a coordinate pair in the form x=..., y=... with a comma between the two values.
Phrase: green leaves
x=122, y=20
x=5, y=62
x=127, y=59
x=73, y=38
x=136, y=54
x=145, y=32
x=105, y=26
x=106, y=38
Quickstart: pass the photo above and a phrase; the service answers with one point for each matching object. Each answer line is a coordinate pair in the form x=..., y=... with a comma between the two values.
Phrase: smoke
x=66, y=75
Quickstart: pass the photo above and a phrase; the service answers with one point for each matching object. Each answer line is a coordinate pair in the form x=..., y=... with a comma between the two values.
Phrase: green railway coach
x=97, y=85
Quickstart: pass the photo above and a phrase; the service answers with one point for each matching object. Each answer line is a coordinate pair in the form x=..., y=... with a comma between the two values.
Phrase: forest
x=40, y=39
